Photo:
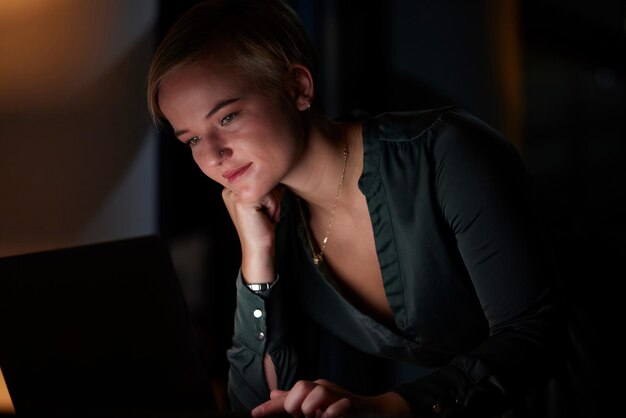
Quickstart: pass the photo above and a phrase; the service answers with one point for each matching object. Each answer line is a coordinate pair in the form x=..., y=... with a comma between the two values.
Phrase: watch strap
x=259, y=287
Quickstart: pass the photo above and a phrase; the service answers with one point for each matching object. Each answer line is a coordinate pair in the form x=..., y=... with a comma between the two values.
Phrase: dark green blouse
x=466, y=267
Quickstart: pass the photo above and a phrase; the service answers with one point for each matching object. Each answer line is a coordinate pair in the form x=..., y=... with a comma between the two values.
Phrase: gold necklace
x=319, y=257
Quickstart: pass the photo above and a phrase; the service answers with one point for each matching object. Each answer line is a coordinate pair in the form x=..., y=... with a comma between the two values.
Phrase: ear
x=302, y=88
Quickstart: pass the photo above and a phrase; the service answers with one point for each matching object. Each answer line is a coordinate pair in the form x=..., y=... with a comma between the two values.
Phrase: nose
x=217, y=155
x=215, y=152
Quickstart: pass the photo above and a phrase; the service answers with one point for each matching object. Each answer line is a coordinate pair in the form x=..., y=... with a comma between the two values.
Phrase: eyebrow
x=211, y=112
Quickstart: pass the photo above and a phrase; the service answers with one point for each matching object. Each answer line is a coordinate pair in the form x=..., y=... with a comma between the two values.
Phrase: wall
x=77, y=153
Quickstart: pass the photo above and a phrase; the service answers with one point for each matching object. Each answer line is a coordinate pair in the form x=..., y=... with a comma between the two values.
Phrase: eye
x=228, y=118
x=193, y=140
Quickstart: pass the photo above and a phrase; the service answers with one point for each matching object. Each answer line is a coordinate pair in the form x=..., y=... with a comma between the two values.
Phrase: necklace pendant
x=317, y=259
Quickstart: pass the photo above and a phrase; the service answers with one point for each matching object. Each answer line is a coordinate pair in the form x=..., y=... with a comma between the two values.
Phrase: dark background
x=547, y=73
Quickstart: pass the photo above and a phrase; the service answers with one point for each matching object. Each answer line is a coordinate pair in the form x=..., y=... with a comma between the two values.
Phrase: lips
x=235, y=173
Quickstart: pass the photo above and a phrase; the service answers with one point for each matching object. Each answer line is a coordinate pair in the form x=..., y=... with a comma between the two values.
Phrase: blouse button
x=257, y=313
x=260, y=336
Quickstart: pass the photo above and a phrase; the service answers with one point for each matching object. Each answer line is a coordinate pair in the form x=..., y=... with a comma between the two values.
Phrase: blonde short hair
x=260, y=39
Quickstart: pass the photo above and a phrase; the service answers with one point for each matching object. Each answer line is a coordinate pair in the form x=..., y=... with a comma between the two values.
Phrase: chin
x=250, y=195
x=257, y=190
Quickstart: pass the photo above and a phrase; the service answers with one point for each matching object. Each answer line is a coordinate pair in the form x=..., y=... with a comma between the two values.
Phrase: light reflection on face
x=240, y=138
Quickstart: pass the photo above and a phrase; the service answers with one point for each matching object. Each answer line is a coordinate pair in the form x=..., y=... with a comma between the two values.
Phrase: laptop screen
x=98, y=327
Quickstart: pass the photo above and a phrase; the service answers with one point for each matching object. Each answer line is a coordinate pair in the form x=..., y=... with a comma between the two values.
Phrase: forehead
x=190, y=91
x=200, y=78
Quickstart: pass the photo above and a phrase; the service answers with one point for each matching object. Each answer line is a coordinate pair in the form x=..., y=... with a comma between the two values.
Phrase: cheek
x=289, y=150
x=284, y=143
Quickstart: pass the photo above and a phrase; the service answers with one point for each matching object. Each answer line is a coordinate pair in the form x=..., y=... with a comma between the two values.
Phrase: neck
x=316, y=175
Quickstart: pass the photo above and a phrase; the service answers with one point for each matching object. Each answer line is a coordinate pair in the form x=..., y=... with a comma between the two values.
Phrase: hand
x=324, y=399
x=255, y=223
x=311, y=399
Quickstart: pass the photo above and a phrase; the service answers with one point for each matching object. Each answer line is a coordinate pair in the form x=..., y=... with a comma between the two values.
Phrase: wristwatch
x=259, y=287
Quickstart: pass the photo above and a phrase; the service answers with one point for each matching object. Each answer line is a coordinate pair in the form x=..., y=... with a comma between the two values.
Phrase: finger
x=278, y=194
x=272, y=209
x=297, y=395
x=319, y=398
x=271, y=407
x=338, y=409
x=333, y=386
x=277, y=393
x=228, y=197
x=271, y=205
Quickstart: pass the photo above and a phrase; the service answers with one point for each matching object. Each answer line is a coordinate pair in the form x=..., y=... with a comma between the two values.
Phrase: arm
x=248, y=382
x=485, y=197
x=259, y=345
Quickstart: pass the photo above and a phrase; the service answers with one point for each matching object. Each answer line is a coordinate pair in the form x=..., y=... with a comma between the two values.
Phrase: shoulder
x=400, y=126
x=450, y=141
x=439, y=132
x=413, y=125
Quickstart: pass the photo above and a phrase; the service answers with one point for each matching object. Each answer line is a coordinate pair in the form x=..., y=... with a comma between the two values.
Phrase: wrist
x=257, y=260
x=258, y=268
x=260, y=288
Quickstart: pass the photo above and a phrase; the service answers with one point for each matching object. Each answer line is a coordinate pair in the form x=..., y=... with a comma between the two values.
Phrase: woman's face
x=240, y=138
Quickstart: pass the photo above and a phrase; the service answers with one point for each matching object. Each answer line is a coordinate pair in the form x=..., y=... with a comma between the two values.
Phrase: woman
x=408, y=236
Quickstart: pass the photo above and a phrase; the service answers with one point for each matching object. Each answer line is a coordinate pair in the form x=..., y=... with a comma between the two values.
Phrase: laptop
x=100, y=330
